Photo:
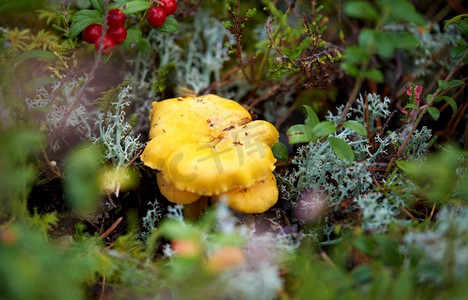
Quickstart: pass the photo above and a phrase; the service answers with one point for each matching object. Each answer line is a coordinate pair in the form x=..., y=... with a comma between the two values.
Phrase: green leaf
x=434, y=112
x=443, y=85
x=350, y=68
x=462, y=26
x=341, y=149
x=81, y=181
x=374, y=75
x=299, y=133
x=367, y=39
x=453, y=20
x=312, y=118
x=32, y=54
x=404, y=285
x=97, y=4
x=134, y=6
x=82, y=18
x=172, y=229
x=362, y=274
x=170, y=25
x=365, y=244
x=144, y=46
x=23, y=143
x=458, y=51
x=361, y=9
x=355, y=55
x=389, y=251
x=411, y=106
x=384, y=44
x=86, y=13
x=356, y=127
x=133, y=37
x=322, y=129
x=401, y=10
x=280, y=151
x=404, y=40
x=449, y=100
x=453, y=83
x=83, y=4
x=404, y=165
x=20, y=6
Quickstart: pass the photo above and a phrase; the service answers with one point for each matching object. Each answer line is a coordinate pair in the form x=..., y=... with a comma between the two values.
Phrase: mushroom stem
x=194, y=210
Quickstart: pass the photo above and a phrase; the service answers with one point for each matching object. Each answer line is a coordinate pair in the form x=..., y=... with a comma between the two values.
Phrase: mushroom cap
x=172, y=194
x=208, y=145
x=256, y=199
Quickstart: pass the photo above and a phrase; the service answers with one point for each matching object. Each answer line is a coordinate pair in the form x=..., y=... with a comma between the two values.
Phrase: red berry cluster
x=116, y=32
x=156, y=15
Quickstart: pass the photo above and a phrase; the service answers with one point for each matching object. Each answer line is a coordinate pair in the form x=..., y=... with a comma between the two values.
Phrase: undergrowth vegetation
x=370, y=101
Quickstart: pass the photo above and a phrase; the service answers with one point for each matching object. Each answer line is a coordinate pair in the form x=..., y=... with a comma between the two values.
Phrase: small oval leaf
x=280, y=151
x=434, y=112
x=144, y=46
x=449, y=100
x=356, y=127
x=341, y=149
x=361, y=9
x=312, y=118
x=404, y=165
x=374, y=75
x=97, y=4
x=81, y=19
x=411, y=106
x=299, y=133
x=350, y=68
x=133, y=37
x=170, y=25
x=322, y=129
x=134, y=6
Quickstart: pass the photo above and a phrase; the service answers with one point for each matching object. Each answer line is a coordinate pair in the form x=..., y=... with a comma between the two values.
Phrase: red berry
x=115, y=18
x=118, y=34
x=170, y=6
x=108, y=45
x=92, y=33
x=156, y=16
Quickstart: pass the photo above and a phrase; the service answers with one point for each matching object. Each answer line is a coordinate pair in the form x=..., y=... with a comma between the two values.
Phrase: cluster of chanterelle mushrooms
x=209, y=146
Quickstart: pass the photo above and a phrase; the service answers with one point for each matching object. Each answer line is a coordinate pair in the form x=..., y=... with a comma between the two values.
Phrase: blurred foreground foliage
x=370, y=101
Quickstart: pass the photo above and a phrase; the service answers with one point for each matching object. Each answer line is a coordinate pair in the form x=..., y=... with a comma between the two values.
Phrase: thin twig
x=432, y=211
x=354, y=93
x=327, y=259
x=275, y=35
x=7, y=224
x=237, y=30
x=137, y=154
x=103, y=288
x=408, y=214
x=272, y=90
x=288, y=113
x=112, y=228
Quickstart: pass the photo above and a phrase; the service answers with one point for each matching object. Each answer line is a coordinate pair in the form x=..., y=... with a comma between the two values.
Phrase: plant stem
x=267, y=52
x=91, y=75
x=423, y=112
x=354, y=93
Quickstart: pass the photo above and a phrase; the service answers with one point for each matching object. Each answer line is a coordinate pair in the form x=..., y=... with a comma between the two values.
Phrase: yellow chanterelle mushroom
x=209, y=146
